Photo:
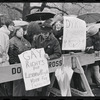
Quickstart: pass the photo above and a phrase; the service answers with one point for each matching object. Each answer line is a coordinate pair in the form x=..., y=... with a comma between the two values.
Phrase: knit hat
x=92, y=30
x=46, y=26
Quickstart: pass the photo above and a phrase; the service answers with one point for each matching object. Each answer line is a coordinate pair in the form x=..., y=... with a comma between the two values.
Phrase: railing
x=14, y=71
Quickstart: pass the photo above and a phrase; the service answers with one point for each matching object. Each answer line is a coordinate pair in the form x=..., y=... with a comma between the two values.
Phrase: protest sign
x=74, y=34
x=35, y=68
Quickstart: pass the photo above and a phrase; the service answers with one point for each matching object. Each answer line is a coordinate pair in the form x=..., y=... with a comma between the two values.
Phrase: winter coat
x=16, y=47
x=59, y=35
x=4, y=45
x=93, y=42
x=50, y=45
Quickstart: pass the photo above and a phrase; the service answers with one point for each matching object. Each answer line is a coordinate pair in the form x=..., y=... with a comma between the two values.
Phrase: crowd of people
x=48, y=35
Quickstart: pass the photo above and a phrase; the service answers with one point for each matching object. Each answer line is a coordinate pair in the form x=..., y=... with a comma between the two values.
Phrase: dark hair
x=33, y=29
x=9, y=22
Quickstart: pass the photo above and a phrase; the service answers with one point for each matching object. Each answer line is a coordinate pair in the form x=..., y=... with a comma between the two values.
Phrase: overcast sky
x=35, y=4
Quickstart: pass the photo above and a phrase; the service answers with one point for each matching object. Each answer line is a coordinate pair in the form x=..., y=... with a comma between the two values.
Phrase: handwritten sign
x=35, y=68
x=74, y=36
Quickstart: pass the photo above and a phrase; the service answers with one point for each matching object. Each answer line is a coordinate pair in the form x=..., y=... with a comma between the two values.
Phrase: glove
x=89, y=50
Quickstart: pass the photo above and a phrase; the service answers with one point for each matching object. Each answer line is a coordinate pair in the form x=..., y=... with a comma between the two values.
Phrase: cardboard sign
x=35, y=68
x=74, y=34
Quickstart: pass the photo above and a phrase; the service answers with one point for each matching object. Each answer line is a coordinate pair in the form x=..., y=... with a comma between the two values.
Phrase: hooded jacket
x=4, y=43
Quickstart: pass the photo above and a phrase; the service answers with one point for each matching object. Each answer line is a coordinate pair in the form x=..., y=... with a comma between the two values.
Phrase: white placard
x=35, y=68
x=74, y=34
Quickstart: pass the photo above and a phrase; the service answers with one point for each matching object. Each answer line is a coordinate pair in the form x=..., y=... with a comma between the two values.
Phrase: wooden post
x=78, y=69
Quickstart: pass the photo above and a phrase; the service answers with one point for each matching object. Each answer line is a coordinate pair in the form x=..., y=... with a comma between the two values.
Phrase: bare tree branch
x=19, y=10
x=34, y=7
x=80, y=10
x=46, y=6
x=56, y=5
x=42, y=6
x=56, y=8
x=84, y=7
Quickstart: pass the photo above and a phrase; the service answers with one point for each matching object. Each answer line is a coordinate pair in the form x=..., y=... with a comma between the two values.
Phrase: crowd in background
x=48, y=35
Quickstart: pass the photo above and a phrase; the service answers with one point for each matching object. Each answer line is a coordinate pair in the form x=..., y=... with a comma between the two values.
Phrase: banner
x=74, y=34
x=35, y=68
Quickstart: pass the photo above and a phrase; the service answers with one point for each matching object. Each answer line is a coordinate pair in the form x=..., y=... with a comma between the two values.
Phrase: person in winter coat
x=48, y=41
x=58, y=31
x=19, y=44
x=5, y=30
x=93, y=45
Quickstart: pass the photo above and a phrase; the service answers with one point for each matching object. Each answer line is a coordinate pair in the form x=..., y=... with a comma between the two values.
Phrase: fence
x=13, y=72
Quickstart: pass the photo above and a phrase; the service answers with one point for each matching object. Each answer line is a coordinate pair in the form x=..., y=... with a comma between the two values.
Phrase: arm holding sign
x=47, y=56
x=89, y=45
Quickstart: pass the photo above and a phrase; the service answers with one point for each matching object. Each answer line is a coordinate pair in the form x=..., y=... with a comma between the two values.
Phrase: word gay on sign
x=35, y=68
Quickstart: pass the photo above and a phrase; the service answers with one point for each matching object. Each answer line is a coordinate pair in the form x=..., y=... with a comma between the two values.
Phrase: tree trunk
x=26, y=10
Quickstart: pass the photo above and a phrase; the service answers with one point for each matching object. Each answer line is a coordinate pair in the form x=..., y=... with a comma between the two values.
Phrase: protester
x=5, y=30
x=47, y=41
x=58, y=31
x=19, y=44
x=93, y=45
x=22, y=23
x=50, y=44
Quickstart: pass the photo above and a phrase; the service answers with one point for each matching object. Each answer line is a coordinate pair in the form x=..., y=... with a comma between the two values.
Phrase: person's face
x=11, y=27
x=45, y=34
x=58, y=25
x=20, y=33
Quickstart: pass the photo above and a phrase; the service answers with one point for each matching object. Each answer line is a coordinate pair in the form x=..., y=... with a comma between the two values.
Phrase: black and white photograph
x=49, y=49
